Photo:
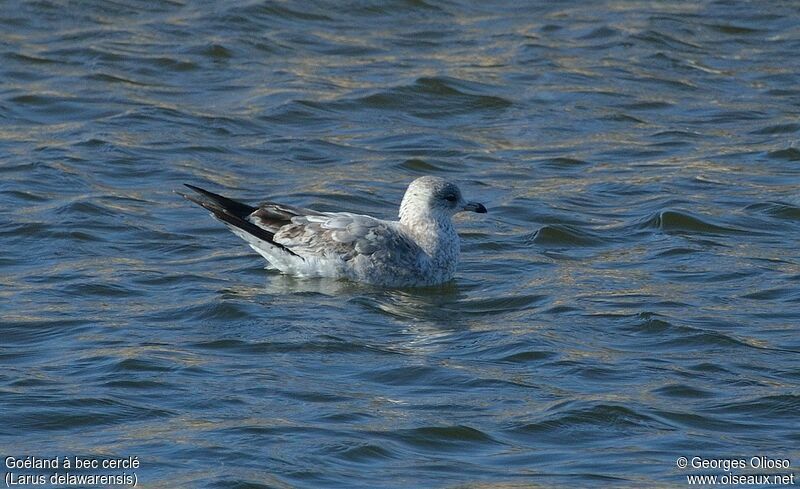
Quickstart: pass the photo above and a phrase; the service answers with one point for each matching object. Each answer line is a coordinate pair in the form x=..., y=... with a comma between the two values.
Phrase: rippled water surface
x=632, y=296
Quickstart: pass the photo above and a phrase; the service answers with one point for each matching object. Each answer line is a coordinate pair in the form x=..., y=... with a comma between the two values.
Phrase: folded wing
x=344, y=236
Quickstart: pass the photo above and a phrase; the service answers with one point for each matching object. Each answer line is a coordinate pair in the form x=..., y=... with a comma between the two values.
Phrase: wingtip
x=199, y=200
x=204, y=195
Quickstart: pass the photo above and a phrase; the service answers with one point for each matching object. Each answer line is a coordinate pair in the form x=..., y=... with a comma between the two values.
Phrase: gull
x=420, y=249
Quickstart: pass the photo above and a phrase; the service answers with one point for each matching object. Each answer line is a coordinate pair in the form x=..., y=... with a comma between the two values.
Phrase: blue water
x=632, y=296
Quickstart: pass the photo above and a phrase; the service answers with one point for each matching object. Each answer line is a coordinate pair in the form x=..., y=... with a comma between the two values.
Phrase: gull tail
x=234, y=214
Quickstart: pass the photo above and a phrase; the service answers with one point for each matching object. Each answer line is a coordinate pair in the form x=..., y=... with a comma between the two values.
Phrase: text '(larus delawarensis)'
x=420, y=249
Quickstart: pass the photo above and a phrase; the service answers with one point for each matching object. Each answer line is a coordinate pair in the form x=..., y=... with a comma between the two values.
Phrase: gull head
x=434, y=197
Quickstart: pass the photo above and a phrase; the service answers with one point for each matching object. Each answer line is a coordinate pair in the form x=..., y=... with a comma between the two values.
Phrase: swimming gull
x=420, y=249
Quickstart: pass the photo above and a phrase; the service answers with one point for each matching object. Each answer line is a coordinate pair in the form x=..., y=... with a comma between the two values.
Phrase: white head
x=434, y=198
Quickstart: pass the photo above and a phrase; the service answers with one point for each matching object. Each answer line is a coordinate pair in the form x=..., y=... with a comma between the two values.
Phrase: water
x=631, y=297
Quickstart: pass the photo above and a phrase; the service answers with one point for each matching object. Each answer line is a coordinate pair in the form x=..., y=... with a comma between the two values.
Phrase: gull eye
x=451, y=198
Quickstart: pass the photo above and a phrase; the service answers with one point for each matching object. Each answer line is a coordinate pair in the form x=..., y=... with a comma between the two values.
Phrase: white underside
x=290, y=264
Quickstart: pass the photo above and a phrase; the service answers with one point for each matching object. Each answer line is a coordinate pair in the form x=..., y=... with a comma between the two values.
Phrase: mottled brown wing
x=272, y=216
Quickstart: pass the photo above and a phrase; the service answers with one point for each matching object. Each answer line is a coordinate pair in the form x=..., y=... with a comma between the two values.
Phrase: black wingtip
x=232, y=213
x=213, y=201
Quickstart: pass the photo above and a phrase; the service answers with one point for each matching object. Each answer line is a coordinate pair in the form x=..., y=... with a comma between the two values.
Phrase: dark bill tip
x=475, y=207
